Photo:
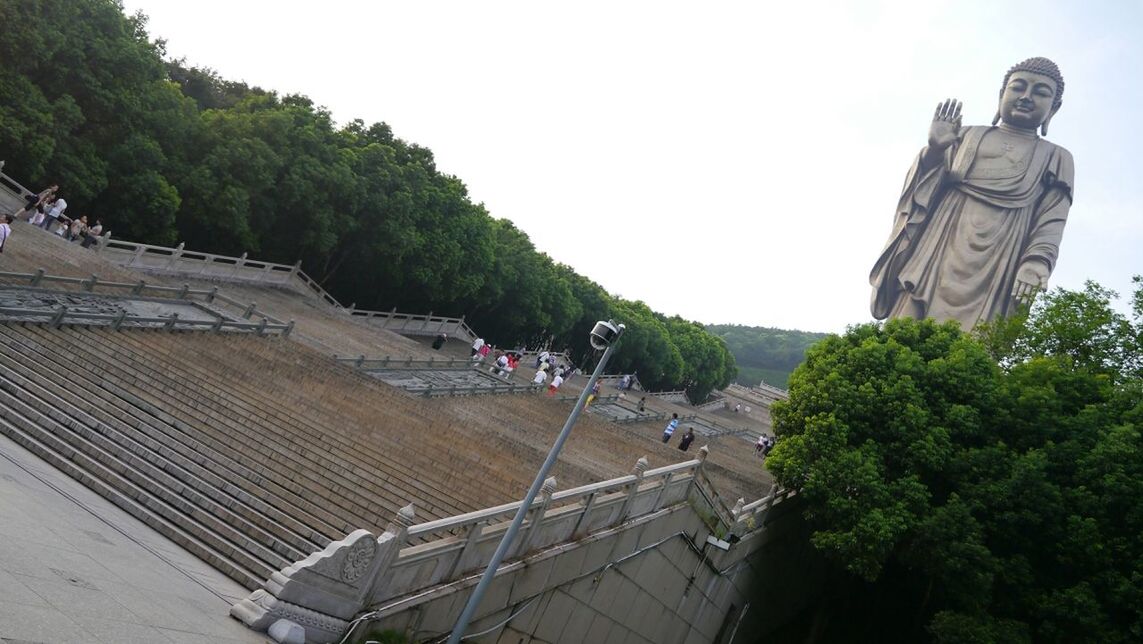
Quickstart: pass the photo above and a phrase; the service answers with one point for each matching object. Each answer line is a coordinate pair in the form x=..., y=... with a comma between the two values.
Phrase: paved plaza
x=74, y=568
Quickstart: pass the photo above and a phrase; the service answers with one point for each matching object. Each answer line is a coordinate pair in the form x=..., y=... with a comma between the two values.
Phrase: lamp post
x=603, y=336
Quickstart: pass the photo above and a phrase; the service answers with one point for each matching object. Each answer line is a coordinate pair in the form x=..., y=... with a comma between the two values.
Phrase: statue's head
x=1032, y=93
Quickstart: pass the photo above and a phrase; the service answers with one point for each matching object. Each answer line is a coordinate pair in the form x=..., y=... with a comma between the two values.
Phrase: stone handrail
x=575, y=498
x=679, y=396
x=326, y=590
x=140, y=289
x=472, y=390
x=389, y=362
x=712, y=404
x=62, y=315
x=210, y=265
x=764, y=394
x=14, y=190
x=414, y=324
x=772, y=390
x=193, y=263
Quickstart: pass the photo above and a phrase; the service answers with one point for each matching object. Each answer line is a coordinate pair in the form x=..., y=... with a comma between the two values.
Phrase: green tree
x=971, y=501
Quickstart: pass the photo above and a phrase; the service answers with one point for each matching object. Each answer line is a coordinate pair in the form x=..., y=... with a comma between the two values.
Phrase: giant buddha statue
x=978, y=227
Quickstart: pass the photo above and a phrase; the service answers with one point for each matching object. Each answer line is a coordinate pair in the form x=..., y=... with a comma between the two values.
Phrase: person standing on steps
x=670, y=429
x=5, y=230
x=53, y=215
x=687, y=439
x=556, y=382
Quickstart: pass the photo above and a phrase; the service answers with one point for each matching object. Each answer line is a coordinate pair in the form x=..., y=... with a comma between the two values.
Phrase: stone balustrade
x=29, y=304
x=671, y=396
x=11, y=195
x=140, y=290
x=327, y=590
x=718, y=403
x=762, y=394
x=179, y=261
x=389, y=363
x=413, y=324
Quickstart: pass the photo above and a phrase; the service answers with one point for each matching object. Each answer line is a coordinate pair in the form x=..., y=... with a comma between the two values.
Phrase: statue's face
x=1026, y=101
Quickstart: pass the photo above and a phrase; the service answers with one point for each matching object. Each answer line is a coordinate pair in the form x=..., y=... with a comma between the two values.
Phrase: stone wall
x=650, y=582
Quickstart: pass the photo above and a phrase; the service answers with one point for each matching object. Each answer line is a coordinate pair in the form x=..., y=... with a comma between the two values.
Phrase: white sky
x=744, y=157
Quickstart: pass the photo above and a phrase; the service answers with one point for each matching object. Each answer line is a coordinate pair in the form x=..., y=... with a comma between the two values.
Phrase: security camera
x=605, y=333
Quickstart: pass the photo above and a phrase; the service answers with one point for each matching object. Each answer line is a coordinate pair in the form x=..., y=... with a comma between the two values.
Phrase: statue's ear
x=996, y=119
x=1044, y=125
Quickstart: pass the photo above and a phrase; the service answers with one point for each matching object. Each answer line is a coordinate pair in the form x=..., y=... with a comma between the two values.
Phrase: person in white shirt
x=5, y=230
x=556, y=382
x=477, y=346
x=55, y=213
x=541, y=376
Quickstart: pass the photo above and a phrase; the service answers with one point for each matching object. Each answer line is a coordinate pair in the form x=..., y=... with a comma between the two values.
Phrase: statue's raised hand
x=1031, y=278
x=945, y=129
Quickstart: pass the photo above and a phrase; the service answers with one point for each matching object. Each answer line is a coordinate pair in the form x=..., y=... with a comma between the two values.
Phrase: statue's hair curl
x=1039, y=65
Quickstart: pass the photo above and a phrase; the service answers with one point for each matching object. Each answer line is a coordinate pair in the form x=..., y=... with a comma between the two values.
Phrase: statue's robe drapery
x=961, y=233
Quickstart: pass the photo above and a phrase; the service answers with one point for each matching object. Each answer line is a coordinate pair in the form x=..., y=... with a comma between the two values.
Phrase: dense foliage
x=164, y=152
x=976, y=489
x=764, y=354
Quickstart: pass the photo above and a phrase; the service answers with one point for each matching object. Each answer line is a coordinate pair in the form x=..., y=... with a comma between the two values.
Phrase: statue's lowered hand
x=1031, y=278
x=945, y=129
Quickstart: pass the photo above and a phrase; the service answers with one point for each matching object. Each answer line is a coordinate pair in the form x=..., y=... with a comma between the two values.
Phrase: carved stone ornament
x=357, y=559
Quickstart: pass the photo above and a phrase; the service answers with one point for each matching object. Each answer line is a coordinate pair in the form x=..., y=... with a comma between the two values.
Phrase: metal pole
x=526, y=505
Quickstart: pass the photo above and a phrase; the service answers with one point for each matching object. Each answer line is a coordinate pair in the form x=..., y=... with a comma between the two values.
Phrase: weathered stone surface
x=284, y=631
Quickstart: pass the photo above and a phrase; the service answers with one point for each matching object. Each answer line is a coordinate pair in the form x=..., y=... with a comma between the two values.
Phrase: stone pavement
x=74, y=568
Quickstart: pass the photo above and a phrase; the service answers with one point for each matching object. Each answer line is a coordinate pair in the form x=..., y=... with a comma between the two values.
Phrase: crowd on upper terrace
x=48, y=210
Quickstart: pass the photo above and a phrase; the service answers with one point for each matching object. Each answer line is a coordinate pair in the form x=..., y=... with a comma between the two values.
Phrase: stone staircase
x=250, y=474
x=253, y=452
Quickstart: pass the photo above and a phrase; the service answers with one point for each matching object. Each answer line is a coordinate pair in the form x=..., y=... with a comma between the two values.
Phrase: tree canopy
x=763, y=353
x=163, y=152
x=982, y=488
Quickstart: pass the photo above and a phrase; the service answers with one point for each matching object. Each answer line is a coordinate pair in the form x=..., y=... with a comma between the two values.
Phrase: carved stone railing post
x=38, y=277
x=176, y=255
x=322, y=592
x=57, y=319
x=534, y=521
x=640, y=468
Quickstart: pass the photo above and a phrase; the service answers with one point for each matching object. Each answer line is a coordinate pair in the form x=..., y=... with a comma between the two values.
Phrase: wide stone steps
x=213, y=457
x=149, y=463
x=404, y=426
x=105, y=384
x=355, y=475
x=230, y=447
x=202, y=409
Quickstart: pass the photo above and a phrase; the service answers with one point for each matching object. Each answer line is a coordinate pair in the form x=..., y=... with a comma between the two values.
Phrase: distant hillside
x=765, y=354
